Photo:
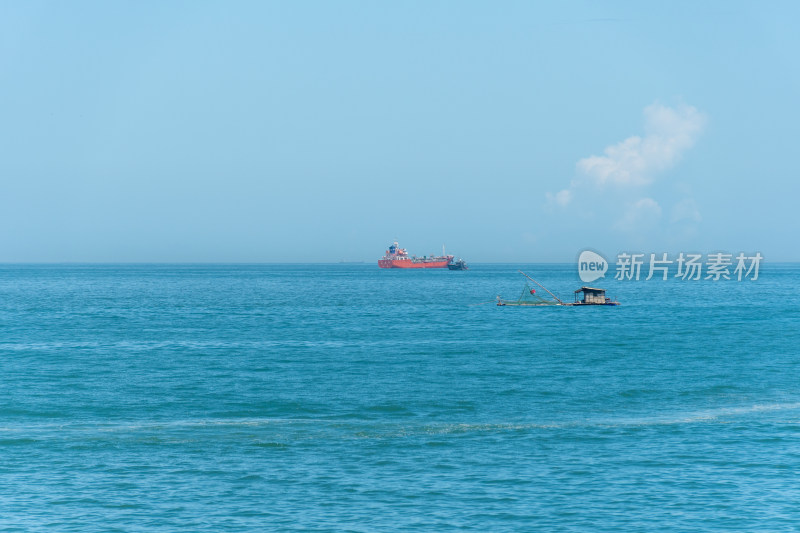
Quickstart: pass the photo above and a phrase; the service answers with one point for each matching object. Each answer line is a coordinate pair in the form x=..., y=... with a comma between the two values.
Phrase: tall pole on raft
x=542, y=286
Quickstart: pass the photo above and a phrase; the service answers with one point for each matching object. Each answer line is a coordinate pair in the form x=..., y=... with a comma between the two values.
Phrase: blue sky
x=321, y=131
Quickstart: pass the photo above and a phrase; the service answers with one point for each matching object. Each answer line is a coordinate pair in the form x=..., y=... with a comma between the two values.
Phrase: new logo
x=591, y=266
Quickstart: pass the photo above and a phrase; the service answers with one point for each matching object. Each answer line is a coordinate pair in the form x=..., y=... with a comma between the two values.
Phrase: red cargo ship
x=397, y=257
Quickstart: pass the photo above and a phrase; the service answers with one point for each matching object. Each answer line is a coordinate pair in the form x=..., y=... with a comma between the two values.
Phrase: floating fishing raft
x=529, y=298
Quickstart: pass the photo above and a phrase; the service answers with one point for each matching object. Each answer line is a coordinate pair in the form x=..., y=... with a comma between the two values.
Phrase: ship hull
x=410, y=263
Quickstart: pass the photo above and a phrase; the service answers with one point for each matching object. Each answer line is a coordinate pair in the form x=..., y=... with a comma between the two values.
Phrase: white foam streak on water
x=401, y=427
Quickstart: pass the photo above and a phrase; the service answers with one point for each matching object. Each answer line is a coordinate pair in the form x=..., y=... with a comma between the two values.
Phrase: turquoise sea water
x=348, y=398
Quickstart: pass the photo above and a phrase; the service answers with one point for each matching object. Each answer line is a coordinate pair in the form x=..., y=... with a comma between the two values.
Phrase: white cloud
x=629, y=166
x=640, y=214
x=685, y=211
x=669, y=132
x=561, y=198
